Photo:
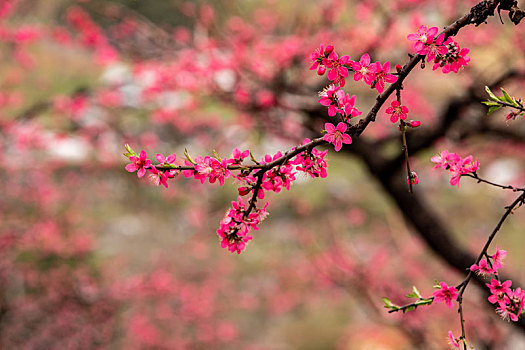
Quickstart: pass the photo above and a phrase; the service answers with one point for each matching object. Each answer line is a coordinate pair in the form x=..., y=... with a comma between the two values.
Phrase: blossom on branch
x=455, y=164
x=140, y=164
x=424, y=36
x=363, y=70
x=329, y=98
x=454, y=59
x=238, y=222
x=397, y=111
x=166, y=161
x=311, y=162
x=452, y=340
x=336, y=135
x=446, y=294
x=498, y=257
x=500, y=292
x=483, y=268
x=382, y=75
x=447, y=54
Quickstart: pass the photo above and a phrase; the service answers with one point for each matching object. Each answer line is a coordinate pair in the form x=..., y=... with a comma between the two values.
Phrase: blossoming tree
x=210, y=86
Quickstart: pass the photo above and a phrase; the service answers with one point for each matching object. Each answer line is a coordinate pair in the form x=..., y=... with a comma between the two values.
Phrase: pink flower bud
x=321, y=70
x=413, y=178
x=328, y=50
x=243, y=191
x=398, y=68
x=414, y=123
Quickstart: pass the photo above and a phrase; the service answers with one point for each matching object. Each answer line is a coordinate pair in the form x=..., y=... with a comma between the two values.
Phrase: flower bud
x=398, y=68
x=243, y=191
x=321, y=70
x=328, y=49
x=414, y=123
x=413, y=178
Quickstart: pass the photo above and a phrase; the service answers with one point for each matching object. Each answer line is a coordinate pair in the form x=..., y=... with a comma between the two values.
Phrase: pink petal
x=440, y=38
x=375, y=68
x=332, y=74
x=345, y=59
x=347, y=139
x=365, y=60
x=337, y=145
x=131, y=167
x=341, y=127
x=442, y=50
x=390, y=78
x=329, y=127
x=325, y=101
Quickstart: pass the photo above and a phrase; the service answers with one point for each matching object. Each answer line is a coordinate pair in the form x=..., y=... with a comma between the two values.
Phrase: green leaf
x=253, y=158
x=410, y=308
x=188, y=157
x=508, y=98
x=217, y=156
x=130, y=152
x=493, y=109
x=416, y=292
x=389, y=304
x=492, y=96
x=491, y=103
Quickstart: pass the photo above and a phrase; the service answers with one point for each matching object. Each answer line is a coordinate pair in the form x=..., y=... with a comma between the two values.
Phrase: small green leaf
x=188, y=157
x=410, y=308
x=491, y=103
x=493, y=109
x=416, y=292
x=492, y=96
x=217, y=156
x=508, y=98
x=389, y=304
x=253, y=158
x=130, y=152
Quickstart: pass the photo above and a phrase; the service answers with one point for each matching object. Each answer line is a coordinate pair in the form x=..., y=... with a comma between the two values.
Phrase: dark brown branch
x=505, y=187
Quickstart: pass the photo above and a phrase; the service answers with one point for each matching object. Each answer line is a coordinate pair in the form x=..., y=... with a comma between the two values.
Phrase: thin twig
x=505, y=187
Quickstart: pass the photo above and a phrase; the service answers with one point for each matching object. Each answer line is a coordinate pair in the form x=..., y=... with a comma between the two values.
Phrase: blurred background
x=91, y=257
